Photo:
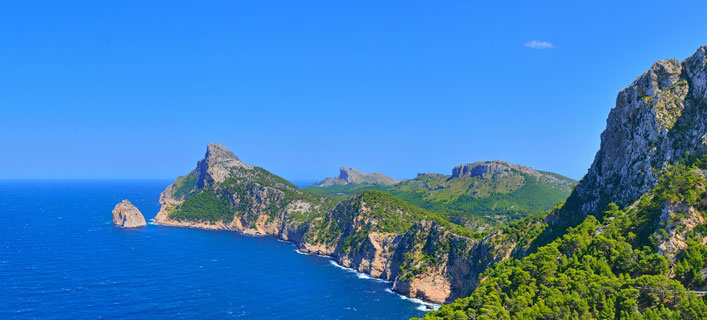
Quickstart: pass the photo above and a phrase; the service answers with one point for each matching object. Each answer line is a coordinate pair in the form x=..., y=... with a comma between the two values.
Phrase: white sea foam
x=311, y=254
x=360, y=275
x=423, y=306
x=333, y=263
x=152, y=221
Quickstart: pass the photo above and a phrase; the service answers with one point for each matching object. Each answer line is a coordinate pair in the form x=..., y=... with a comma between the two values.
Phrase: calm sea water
x=60, y=257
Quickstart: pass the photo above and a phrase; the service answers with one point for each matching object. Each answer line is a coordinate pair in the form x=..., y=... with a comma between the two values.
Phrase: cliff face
x=659, y=118
x=126, y=215
x=500, y=169
x=349, y=175
x=425, y=256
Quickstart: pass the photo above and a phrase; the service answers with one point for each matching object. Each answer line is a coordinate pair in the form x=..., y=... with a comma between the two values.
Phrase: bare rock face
x=487, y=168
x=498, y=168
x=677, y=219
x=658, y=119
x=126, y=215
x=218, y=164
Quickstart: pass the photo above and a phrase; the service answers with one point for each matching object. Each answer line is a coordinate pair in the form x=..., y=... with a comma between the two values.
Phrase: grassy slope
x=495, y=202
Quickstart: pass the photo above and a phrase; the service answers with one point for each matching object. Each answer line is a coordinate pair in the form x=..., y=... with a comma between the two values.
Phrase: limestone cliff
x=498, y=169
x=657, y=119
x=425, y=257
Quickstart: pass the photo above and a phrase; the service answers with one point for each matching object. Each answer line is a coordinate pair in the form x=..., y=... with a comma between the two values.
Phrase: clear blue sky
x=99, y=89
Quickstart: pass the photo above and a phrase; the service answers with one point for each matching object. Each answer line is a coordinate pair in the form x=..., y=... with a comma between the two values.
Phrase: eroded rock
x=126, y=215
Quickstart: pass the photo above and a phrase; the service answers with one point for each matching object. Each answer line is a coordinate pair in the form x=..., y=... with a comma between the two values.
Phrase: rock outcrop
x=660, y=118
x=349, y=175
x=498, y=168
x=126, y=215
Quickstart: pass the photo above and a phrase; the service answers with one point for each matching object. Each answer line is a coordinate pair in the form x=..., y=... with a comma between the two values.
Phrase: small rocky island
x=126, y=215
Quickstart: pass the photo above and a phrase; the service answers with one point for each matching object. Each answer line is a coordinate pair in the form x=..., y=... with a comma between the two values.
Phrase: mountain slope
x=641, y=262
x=478, y=195
x=223, y=192
x=641, y=258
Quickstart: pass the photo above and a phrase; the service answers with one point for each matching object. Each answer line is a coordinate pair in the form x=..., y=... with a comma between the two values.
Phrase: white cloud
x=535, y=44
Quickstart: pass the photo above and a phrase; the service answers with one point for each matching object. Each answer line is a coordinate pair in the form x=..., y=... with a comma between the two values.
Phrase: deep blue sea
x=60, y=257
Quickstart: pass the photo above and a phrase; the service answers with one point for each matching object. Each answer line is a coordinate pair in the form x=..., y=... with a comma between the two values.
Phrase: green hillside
x=474, y=201
x=615, y=266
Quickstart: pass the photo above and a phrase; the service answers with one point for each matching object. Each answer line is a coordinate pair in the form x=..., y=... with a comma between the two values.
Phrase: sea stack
x=126, y=215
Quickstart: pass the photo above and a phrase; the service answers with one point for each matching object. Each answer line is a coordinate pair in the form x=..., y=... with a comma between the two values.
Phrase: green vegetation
x=396, y=215
x=344, y=190
x=204, y=206
x=603, y=270
x=374, y=211
x=185, y=186
x=241, y=194
x=469, y=201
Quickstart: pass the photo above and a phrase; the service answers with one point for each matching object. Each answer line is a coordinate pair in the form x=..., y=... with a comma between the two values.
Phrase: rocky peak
x=217, y=152
x=350, y=175
x=347, y=174
x=499, y=169
x=126, y=215
x=656, y=120
x=218, y=164
x=486, y=169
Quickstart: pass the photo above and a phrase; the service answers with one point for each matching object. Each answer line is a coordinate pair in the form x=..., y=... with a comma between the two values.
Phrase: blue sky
x=99, y=89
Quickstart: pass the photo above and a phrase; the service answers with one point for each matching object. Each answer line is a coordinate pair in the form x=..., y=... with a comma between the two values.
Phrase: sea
x=61, y=258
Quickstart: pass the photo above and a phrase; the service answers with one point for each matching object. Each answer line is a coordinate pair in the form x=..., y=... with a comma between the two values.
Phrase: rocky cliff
x=424, y=255
x=498, y=169
x=660, y=118
x=126, y=215
x=349, y=175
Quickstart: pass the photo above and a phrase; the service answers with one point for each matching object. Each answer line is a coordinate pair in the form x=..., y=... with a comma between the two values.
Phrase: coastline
x=220, y=226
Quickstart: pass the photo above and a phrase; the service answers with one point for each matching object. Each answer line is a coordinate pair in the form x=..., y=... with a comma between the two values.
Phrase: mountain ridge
x=480, y=195
x=350, y=175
